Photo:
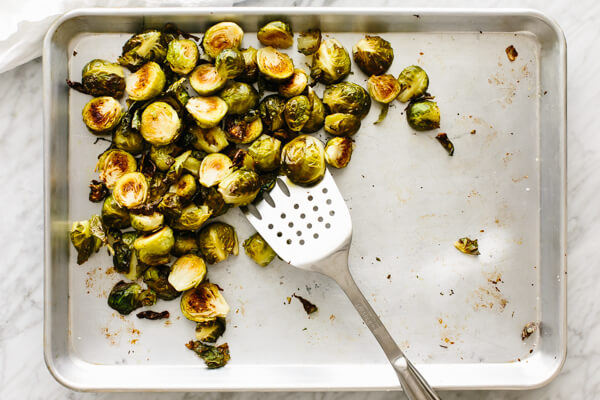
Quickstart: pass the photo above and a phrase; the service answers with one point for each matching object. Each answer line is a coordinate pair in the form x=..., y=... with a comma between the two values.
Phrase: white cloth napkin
x=23, y=23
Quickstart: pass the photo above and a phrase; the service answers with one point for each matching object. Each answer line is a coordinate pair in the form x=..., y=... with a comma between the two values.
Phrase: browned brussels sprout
x=274, y=65
x=213, y=356
x=309, y=41
x=113, y=164
x=98, y=191
x=250, y=73
x=243, y=128
x=210, y=331
x=182, y=56
x=143, y=47
x=331, y=62
x=229, y=63
x=185, y=243
x=271, y=112
x=317, y=113
x=211, y=140
x=277, y=34
x=85, y=241
x=160, y=124
x=296, y=85
x=101, y=78
x=423, y=115
x=204, y=303
x=211, y=198
x=373, y=55
x=128, y=296
x=185, y=187
x=187, y=272
x=240, y=187
x=113, y=215
x=102, y=114
x=259, y=250
x=214, y=168
x=266, y=153
x=147, y=222
x=154, y=249
x=206, y=80
x=240, y=97
x=156, y=278
x=413, y=82
x=303, y=160
x=217, y=241
x=224, y=35
x=164, y=156
x=297, y=112
x=383, y=89
x=192, y=217
x=146, y=83
x=340, y=124
x=207, y=111
x=131, y=190
x=347, y=98
x=338, y=151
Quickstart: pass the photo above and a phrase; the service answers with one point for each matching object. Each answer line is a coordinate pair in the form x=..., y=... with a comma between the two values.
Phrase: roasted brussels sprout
x=229, y=63
x=192, y=217
x=423, y=115
x=98, y=191
x=266, y=153
x=131, y=190
x=176, y=95
x=383, y=89
x=185, y=187
x=113, y=215
x=373, y=55
x=309, y=41
x=124, y=259
x=296, y=85
x=271, y=112
x=274, y=65
x=160, y=124
x=154, y=249
x=240, y=158
x=182, y=56
x=210, y=140
x=84, y=240
x=340, y=124
x=277, y=34
x=214, y=168
x=243, y=128
x=413, y=82
x=164, y=156
x=240, y=97
x=213, y=356
x=101, y=78
x=285, y=135
x=467, y=245
x=204, y=303
x=206, y=81
x=187, y=272
x=143, y=47
x=102, y=114
x=192, y=164
x=317, y=113
x=113, y=164
x=297, y=112
x=347, y=98
x=157, y=279
x=240, y=187
x=303, y=160
x=147, y=223
x=331, y=62
x=338, y=151
x=211, y=198
x=170, y=205
x=130, y=140
x=250, y=73
x=146, y=83
x=185, y=243
x=259, y=250
x=128, y=296
x=446, y=143
x=217, y=241
x=209, y=332
x=224, y=35
x=207, y=111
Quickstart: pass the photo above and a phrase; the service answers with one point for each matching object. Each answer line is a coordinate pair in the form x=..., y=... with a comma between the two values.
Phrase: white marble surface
x=23, y=374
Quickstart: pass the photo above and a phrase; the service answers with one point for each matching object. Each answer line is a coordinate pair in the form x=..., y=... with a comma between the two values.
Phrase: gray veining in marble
x=23, y=374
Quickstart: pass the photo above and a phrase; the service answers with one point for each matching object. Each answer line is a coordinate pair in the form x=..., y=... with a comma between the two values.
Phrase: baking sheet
x=457, y=317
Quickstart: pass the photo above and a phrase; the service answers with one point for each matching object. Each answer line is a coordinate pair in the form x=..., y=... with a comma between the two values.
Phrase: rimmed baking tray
x=458, y=317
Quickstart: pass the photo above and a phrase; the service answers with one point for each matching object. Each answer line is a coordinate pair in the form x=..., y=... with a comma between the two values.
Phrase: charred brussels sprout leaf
x=224, y=35
x=170, y=205
x=284, y=135
x=214, y=168
x=529, y=328
x=209, y=332
x=160, y=124
x=101, y=114
x=243, y=128
x=307, y=305
x=446, y=143
x=266, y=153
x=182, y=56
x=113, y=164
x=192, y=217
x=101, y=78
x=147, y=223
x=143, y=47
x=146, y=83
x=303, y=160
x=274, y=65
x=423, y=115
x=204, y=303
x=131, y=190
x=84, y=240
x=347, y=98
x=240, y=159
x=240, y=97
x=317, y=113
x=176, y=169
x=277, y=34
x=413, y=82
x=214, y=357
x=340, y=124
x=154, y=249
x=338, y=151
x=113, y=215
x=217, y=241
x=207, y=111
x=259, y=250
x=271, y=112
x=185, y=243
x=467, y=246
x=206, y=80
x=240, y=187
x=98, y=191
x=211, y=198
x=152, y=315
x=250, y=72
x=229, y=63
x=128, y=296
x=297, y=112
x=187, y=272
x=210, y=140
x=331, y=62
x=309, y=41
x=156, y=278
x=373, y=55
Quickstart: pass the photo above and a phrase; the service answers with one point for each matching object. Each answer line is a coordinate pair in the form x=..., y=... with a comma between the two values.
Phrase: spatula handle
x=414, y=385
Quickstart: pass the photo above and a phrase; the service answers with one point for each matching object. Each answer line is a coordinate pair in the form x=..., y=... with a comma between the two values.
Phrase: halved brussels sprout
x=124, y=259
x=143, y=47
x=84, y=240
x=170, y=205
x=147, y=223
x=277, y=34
x=309, y=41
x=146, y=83
x=243, y=128
x=211, y=198
x=240, y=187
x=176, y=95
x=347, y=98
x=338, y=151
x=240, y=158
x=383, y=89
x=214, y=168
x=113, y=215
x=160, y=124
x=176, y=169
x=224, y=35
x=192, y=217
x=204, y=303
x=154, y=249
x=131, y=190
x=413, y=82
x=303, y=160
x=210, y=140
x=101, y=78
x=423, y=115
x=127, y=296
x=113, y=164
x=187, y=272
x=296, y=85
x=102, y=114
x=331, y=62
x=240, y=97
x=157, y=279
x=373, y=55
x=274, y=65
x=266, y=153
x=185, y=187
x=206, y=80
x=317, y=113
x=271, y=112
x=259, y=250
x=209, y=332
x=207, y=111
x=340, y=124
x=297, y=112
x=182, y=56
x=217, y=241
x=192, y=164
x=128, y=140
x=229, y=63
x=185, y=243
x=250, y=73
x=164, y=156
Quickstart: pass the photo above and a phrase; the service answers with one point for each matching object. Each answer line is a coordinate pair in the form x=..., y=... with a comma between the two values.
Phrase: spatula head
x=303, y=225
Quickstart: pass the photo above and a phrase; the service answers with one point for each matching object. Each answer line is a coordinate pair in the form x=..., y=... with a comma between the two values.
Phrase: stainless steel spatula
x=311, y=228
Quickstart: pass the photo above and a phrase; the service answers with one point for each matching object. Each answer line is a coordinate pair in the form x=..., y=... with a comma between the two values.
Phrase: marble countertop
x=23, y=374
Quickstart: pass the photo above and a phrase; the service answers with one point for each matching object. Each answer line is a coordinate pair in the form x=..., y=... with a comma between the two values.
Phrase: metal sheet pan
x=458, y=317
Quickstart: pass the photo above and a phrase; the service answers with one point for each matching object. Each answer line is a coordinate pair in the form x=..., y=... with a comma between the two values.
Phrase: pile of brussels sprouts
x=178, y=160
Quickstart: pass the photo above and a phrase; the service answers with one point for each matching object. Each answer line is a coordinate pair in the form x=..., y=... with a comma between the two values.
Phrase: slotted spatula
x=311, y=229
